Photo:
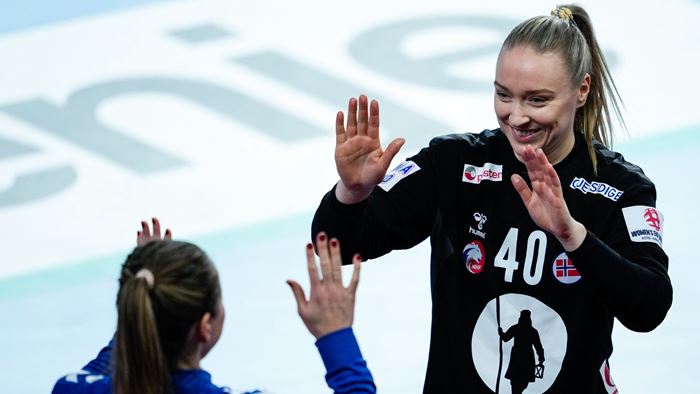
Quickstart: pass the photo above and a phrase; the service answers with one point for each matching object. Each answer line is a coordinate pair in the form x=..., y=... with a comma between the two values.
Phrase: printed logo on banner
x=489, y=172
x=480, y=219
x=473, y=257
x=603, y=189
x=564, y=270
x=644, y=224
x=397, y=174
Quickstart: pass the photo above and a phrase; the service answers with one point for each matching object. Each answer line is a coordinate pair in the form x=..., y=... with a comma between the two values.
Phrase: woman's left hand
x=545, y=201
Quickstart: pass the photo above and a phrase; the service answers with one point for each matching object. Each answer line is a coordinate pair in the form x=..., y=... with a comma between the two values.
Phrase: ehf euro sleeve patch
x=397, y=174
x=644, y=224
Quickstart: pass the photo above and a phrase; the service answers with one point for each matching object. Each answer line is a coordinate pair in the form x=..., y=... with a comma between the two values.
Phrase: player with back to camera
x=537, y=218
x=170, y=315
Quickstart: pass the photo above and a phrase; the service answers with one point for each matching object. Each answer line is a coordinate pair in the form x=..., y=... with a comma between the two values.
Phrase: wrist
x=349, y=196
x=573, y=237
x=320, y=332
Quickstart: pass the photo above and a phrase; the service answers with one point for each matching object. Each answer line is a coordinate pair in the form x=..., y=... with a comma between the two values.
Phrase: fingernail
x=322, y=237
x=334, y=242
x=358, y=256
x=309, y=246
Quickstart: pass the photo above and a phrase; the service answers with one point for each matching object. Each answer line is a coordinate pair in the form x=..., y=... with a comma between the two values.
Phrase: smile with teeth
x=525, y=133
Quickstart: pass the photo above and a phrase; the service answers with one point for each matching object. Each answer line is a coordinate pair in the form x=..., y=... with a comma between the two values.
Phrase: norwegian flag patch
x=564, y=270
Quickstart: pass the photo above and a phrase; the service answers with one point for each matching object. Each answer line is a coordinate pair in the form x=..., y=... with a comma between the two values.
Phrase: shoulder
x=467, y=140
x=614, y=168
x=195, y=381
x=83, y=382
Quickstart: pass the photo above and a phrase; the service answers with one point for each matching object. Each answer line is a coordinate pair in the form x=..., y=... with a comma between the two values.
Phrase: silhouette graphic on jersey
x=522, y=368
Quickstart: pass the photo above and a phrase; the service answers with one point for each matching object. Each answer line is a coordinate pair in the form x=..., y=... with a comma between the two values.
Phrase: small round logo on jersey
x=473, y=257
x=564, y=270
x=470, y=173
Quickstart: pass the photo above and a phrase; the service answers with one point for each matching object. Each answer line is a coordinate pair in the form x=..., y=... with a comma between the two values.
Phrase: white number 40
x=536, y=245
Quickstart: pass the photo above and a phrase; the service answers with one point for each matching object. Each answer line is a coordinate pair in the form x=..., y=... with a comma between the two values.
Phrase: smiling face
x=536, y=101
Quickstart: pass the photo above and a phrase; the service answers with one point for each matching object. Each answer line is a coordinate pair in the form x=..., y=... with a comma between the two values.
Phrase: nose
x=518, y=115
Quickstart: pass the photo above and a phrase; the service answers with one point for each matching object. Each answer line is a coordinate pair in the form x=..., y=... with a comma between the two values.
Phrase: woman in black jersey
x=537, y=215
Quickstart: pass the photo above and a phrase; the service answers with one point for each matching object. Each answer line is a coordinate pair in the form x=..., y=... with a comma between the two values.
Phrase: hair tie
x=563, y=13
x=146, y=274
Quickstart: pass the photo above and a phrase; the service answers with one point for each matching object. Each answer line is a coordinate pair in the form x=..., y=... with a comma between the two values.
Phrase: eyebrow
x=527, y=93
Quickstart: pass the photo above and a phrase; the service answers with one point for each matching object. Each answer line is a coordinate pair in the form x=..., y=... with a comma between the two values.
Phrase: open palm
x=359, y=158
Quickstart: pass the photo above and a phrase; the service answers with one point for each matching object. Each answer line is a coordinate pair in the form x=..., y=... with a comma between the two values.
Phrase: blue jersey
x=347, y=371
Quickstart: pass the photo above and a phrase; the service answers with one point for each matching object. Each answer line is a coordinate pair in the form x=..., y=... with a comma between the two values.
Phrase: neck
x=562, y=150
x=190, y=359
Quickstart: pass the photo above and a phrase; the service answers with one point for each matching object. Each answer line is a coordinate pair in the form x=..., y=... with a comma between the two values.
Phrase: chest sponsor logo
x=397, y=174
x=603, y=189
x=564, y=270
x=473, y=257
x=644, y=224
x=489, y=172
x=518, y=341
x=480, y=220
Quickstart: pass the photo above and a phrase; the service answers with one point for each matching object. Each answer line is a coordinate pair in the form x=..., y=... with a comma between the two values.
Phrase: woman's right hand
x=359, y=158
x=145, y=235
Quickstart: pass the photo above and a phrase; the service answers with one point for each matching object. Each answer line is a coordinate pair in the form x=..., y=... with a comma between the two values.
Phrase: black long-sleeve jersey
x=491, y=264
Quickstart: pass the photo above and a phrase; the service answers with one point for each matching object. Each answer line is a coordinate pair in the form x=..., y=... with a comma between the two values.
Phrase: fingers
x=145, y=230
x=156, y=228
x=373, y=129
x=299, y=295
x=311, y=265
x=352, y=118
x=339, y=128
x=362, y=116
x=391, y=151
x=336, y=261
x=168, y=234
x=521, y=187
x=322, y=248
x=355, y=280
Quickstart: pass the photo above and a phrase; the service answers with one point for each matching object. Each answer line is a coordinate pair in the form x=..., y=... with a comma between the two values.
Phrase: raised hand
x=145, y=235
x=545, y=201
x=359, y=158
x=331, y=306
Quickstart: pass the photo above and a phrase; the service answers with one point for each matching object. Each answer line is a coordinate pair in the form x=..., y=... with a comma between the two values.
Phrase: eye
x=538, y=100
x=503, y=96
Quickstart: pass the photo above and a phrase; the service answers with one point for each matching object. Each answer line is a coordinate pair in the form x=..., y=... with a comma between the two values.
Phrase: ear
x=204, y=329
x=583, y=91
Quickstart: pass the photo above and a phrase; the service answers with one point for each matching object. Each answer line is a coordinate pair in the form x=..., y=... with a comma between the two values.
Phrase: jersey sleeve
x=346, y=370
x=627, y=265
x=398, y=214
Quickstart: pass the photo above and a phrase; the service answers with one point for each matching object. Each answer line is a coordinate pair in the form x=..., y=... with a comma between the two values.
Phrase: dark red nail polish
x=334, y=243
x=309, y=246
x=322, y=237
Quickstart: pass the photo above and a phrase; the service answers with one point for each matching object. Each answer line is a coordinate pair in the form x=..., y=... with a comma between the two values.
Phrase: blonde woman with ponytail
x=170, y=315
x=541, y=235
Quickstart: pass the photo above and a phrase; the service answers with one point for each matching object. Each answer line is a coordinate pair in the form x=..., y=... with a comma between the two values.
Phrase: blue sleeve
x=346, y=370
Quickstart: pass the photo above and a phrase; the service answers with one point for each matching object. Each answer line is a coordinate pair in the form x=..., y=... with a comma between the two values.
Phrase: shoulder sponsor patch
x=397, y=174
x=603, y=189
x=644, y=224
x=489, y=172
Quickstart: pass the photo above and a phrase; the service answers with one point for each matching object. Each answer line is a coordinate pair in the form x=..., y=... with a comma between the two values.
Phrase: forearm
x=347, y=371
x=341, y=221
x=638, y=292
